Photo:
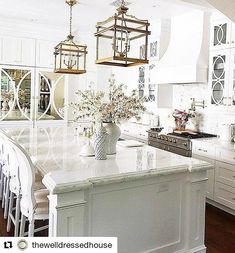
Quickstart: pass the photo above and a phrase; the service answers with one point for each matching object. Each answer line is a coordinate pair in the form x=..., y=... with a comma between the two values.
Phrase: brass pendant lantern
x=119, y=39
x=70, y=58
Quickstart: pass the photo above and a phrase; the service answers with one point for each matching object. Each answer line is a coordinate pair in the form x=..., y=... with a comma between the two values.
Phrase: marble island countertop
x=55, y=152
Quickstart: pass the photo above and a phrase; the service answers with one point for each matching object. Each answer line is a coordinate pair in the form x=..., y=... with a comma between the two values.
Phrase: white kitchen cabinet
x=17, y=51
x=31, y=95
x=135, y=131
x=44, y=53
x=219, y=78
x=206, y=153
x=221, y=33
x=225, y=173
x=210, y=176
x=225, y=195
x=222, y=80
x=221, y=180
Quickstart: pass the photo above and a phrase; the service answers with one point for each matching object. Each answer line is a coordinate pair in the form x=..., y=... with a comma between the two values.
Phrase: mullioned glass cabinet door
x=221, y=34
x=219, y=78
x=50, y=97
x=15, y=94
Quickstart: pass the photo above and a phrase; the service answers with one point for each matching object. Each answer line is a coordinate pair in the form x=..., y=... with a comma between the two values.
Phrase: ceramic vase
x=4, y=106
x=11, y=105
x=99, y=142
x=180, y=124
x=114, y=133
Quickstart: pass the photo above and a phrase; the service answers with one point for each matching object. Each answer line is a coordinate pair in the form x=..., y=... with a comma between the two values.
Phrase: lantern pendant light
x=70, y=58
x=119, y=39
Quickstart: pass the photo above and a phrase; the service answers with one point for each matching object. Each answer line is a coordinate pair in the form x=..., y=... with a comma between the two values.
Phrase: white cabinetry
x=44, y=53
x=222, y=79
x=206, y=153
x=222, y=64
x=219, y=77
x=17, y=51
x=135, y=131
x=221, y=33
x=31, y=95
x=221, y=180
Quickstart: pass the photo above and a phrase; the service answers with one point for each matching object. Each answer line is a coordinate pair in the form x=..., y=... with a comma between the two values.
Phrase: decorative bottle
x=99, y=143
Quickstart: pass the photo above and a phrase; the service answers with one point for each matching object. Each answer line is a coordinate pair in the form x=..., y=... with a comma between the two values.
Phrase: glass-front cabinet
x=222, y=79
x=221, y=34
x=16, y=94
x=31, y=95
x=50, y=96
x=219, y=75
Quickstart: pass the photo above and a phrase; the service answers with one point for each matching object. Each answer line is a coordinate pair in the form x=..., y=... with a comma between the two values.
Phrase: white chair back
x=26, y=178
x=13, y=167
x=4, y=150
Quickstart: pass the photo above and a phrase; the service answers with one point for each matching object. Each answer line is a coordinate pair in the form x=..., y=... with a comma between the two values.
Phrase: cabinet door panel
x=210, y=176
x=50, y=94
x=225, y=195
x=16, y=94
x=225, y=173
x=44, y=53
x=225, y=155
x=17, y=51
x=221, y=34
x=219, y=78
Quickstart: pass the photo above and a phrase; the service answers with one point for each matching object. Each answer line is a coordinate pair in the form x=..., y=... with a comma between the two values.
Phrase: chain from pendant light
x=71, y=3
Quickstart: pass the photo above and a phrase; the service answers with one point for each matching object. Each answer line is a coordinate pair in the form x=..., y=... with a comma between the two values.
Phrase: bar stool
x=1, y=165
x=5, y=176
x=34, y=205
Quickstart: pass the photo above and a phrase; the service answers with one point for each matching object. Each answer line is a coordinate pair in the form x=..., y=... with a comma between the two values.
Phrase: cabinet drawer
x=225, y=195
x=225, y=173
x=225, y=155
x=203, y=149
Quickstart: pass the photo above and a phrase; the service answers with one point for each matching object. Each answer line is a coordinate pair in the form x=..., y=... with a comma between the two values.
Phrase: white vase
x=100, y=143
x=4, y=106
x=11, y=105
x=114, y=133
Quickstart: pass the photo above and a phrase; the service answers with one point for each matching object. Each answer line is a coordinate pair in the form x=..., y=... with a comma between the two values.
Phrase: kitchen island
x=152, y=200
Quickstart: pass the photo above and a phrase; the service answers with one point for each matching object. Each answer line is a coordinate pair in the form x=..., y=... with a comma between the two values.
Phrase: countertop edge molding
x=56, y=188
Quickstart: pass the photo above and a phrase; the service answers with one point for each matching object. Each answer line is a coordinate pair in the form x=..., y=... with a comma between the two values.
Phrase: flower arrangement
x=7, y=95
x=93, y=105
x=181, y=118
x=22, y=97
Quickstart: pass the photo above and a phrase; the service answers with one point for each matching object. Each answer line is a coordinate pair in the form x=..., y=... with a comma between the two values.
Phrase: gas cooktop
x=192, y=135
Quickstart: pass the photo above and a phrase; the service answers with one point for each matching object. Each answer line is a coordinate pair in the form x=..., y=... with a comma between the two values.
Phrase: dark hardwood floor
x=220, y=230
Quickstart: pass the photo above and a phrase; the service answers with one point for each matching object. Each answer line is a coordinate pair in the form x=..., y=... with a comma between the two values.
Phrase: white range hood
x=186, y=59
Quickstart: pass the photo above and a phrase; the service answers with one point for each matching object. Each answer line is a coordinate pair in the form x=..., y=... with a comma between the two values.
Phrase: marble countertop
x=217, y=142
x=55, y=152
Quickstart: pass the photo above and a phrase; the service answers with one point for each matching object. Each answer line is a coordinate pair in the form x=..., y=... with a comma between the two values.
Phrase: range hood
x=186, y=58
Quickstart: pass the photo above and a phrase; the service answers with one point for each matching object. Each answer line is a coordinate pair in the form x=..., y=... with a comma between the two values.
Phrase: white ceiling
x=55, y=13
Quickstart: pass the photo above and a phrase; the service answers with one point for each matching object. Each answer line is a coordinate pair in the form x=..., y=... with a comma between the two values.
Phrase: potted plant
x=118, y=107
x=181, y=118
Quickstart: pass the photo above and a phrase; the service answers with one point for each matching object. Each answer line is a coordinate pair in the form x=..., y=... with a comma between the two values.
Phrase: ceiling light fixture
x=70, y=58
x=119, y=39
